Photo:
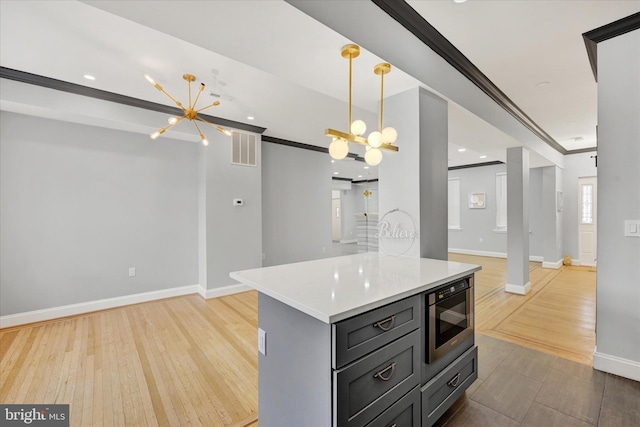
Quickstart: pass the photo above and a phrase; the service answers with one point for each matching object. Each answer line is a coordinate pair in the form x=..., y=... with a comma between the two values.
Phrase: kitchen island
x=343, y=338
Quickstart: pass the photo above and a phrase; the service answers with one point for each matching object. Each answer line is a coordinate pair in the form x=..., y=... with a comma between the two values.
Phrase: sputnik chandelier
x=380, y=139
x=190, y=113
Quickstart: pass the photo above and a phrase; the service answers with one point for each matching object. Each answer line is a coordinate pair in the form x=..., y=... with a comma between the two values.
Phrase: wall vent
x=244, y=149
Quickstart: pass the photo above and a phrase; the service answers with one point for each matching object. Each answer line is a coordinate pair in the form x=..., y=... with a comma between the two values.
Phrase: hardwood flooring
x=191, y=362
x=557, y=316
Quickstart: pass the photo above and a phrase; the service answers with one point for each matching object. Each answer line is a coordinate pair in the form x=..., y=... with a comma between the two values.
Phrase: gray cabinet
x=378, y=357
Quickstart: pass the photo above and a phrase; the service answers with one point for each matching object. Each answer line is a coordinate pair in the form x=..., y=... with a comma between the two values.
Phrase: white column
x=552, y=205
x=518, y=221
x=414, y=180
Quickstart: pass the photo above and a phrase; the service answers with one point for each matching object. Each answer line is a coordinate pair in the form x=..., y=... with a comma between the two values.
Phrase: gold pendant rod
x=381, y=98
x=198, y=96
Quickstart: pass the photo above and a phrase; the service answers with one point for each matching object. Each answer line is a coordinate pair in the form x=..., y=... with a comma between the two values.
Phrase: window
x=501, y=202
x=454, y=204
x=586, y=204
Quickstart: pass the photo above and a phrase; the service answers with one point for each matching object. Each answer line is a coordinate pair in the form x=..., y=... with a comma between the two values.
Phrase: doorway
x=336, y=231
x=587, y=220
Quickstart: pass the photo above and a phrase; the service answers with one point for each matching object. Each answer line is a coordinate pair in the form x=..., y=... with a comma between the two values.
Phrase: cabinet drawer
x=404, y=413
x=440, y=393
x=363, y=390
x=360, y=335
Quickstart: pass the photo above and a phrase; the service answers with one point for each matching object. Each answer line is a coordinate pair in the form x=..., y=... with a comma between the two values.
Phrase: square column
x=413, y=181
x=552, y=205
x=518, y=221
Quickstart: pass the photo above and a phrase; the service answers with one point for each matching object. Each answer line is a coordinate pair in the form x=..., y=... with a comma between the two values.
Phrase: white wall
x=575, y=166
x=296, y=204
x=479, y=224
x=80, y=205
x=618, y=275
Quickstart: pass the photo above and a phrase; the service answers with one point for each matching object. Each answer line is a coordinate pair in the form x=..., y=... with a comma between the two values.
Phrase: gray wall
x=575, y=166
x=479, y=224
x=80, y=205
x=296, y=204
x=233, y=233
x=618, y=276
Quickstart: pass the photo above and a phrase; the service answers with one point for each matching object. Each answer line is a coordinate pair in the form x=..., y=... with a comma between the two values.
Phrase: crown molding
x=606, y=32
x=418, y=26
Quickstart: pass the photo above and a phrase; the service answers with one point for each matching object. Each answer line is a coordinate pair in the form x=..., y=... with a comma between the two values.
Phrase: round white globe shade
x=375, y=139
x=339, y=149
x=373, y=156
x=358, y=127
x=389, y=135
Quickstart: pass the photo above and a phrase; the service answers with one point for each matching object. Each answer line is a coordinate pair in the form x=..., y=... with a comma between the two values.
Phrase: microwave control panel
x=451, y=289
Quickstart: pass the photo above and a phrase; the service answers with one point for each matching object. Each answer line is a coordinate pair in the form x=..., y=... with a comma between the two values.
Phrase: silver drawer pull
x=394, y=425
x=390, y=320
x=380, y=374
x=454, y=380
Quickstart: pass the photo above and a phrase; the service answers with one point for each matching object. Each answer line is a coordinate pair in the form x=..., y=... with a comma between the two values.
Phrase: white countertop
x=333, y=289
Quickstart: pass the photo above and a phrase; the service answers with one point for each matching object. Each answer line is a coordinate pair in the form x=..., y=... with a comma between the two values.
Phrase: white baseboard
x=104, y=304
x=223, y=291
x=556, y=265
x=87, y=307
x=575, y=262
x=616, y=365
x=518, y=289
x=533, y=258
x=345, y=242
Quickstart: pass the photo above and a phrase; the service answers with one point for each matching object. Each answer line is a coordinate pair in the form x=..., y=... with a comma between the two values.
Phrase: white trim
x=500, y=230
x=87, y=307
x=454, y=228
x=556, y=265
x=533, y=258
x=518, y=289
x=616, y=365
x=575, y=262
x=348, y=241
x=225, y=290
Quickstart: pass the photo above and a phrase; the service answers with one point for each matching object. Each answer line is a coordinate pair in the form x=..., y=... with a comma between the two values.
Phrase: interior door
x=587, y=220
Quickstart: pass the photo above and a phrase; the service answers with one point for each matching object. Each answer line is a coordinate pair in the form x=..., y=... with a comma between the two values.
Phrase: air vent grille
x=244, y=149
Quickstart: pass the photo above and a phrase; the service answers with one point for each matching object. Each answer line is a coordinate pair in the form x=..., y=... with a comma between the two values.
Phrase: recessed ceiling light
x=336, y=173
x=461, y=150
x=333, y=161
x=89, y=77
x=359, y=176
x=542, y=84
x=483, y=157
x=459, y=1
x=366, y=167
x=250, y=117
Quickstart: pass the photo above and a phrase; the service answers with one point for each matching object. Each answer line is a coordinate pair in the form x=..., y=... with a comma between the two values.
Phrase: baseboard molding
x=533, y=258
x=104, y=304
x=518, y=289
x=555, y=265
x=616, y=365
x=223, y=291
x=345, y=242
x=87, y=307
x=575, y=262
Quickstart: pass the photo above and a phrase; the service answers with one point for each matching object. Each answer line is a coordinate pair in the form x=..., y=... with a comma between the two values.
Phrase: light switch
x=262, y=341
x=632, y=227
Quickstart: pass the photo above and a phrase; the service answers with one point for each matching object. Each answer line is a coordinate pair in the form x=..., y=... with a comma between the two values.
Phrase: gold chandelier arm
x=166, y=128
x=198, y=96
x=218, y=128
x=215, y=104
x=199, y=131
x=178, y=103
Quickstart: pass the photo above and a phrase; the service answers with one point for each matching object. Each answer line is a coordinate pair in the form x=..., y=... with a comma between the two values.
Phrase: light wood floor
x=189, y=362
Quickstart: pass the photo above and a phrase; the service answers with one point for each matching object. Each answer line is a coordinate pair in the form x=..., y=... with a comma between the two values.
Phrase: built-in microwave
x=449, y=316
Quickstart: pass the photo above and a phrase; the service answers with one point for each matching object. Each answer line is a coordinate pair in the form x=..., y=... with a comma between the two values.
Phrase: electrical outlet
x=262, y=341
x=132, y=271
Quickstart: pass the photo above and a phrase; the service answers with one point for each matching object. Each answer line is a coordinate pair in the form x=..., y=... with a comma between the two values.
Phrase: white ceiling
x=273, y=62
